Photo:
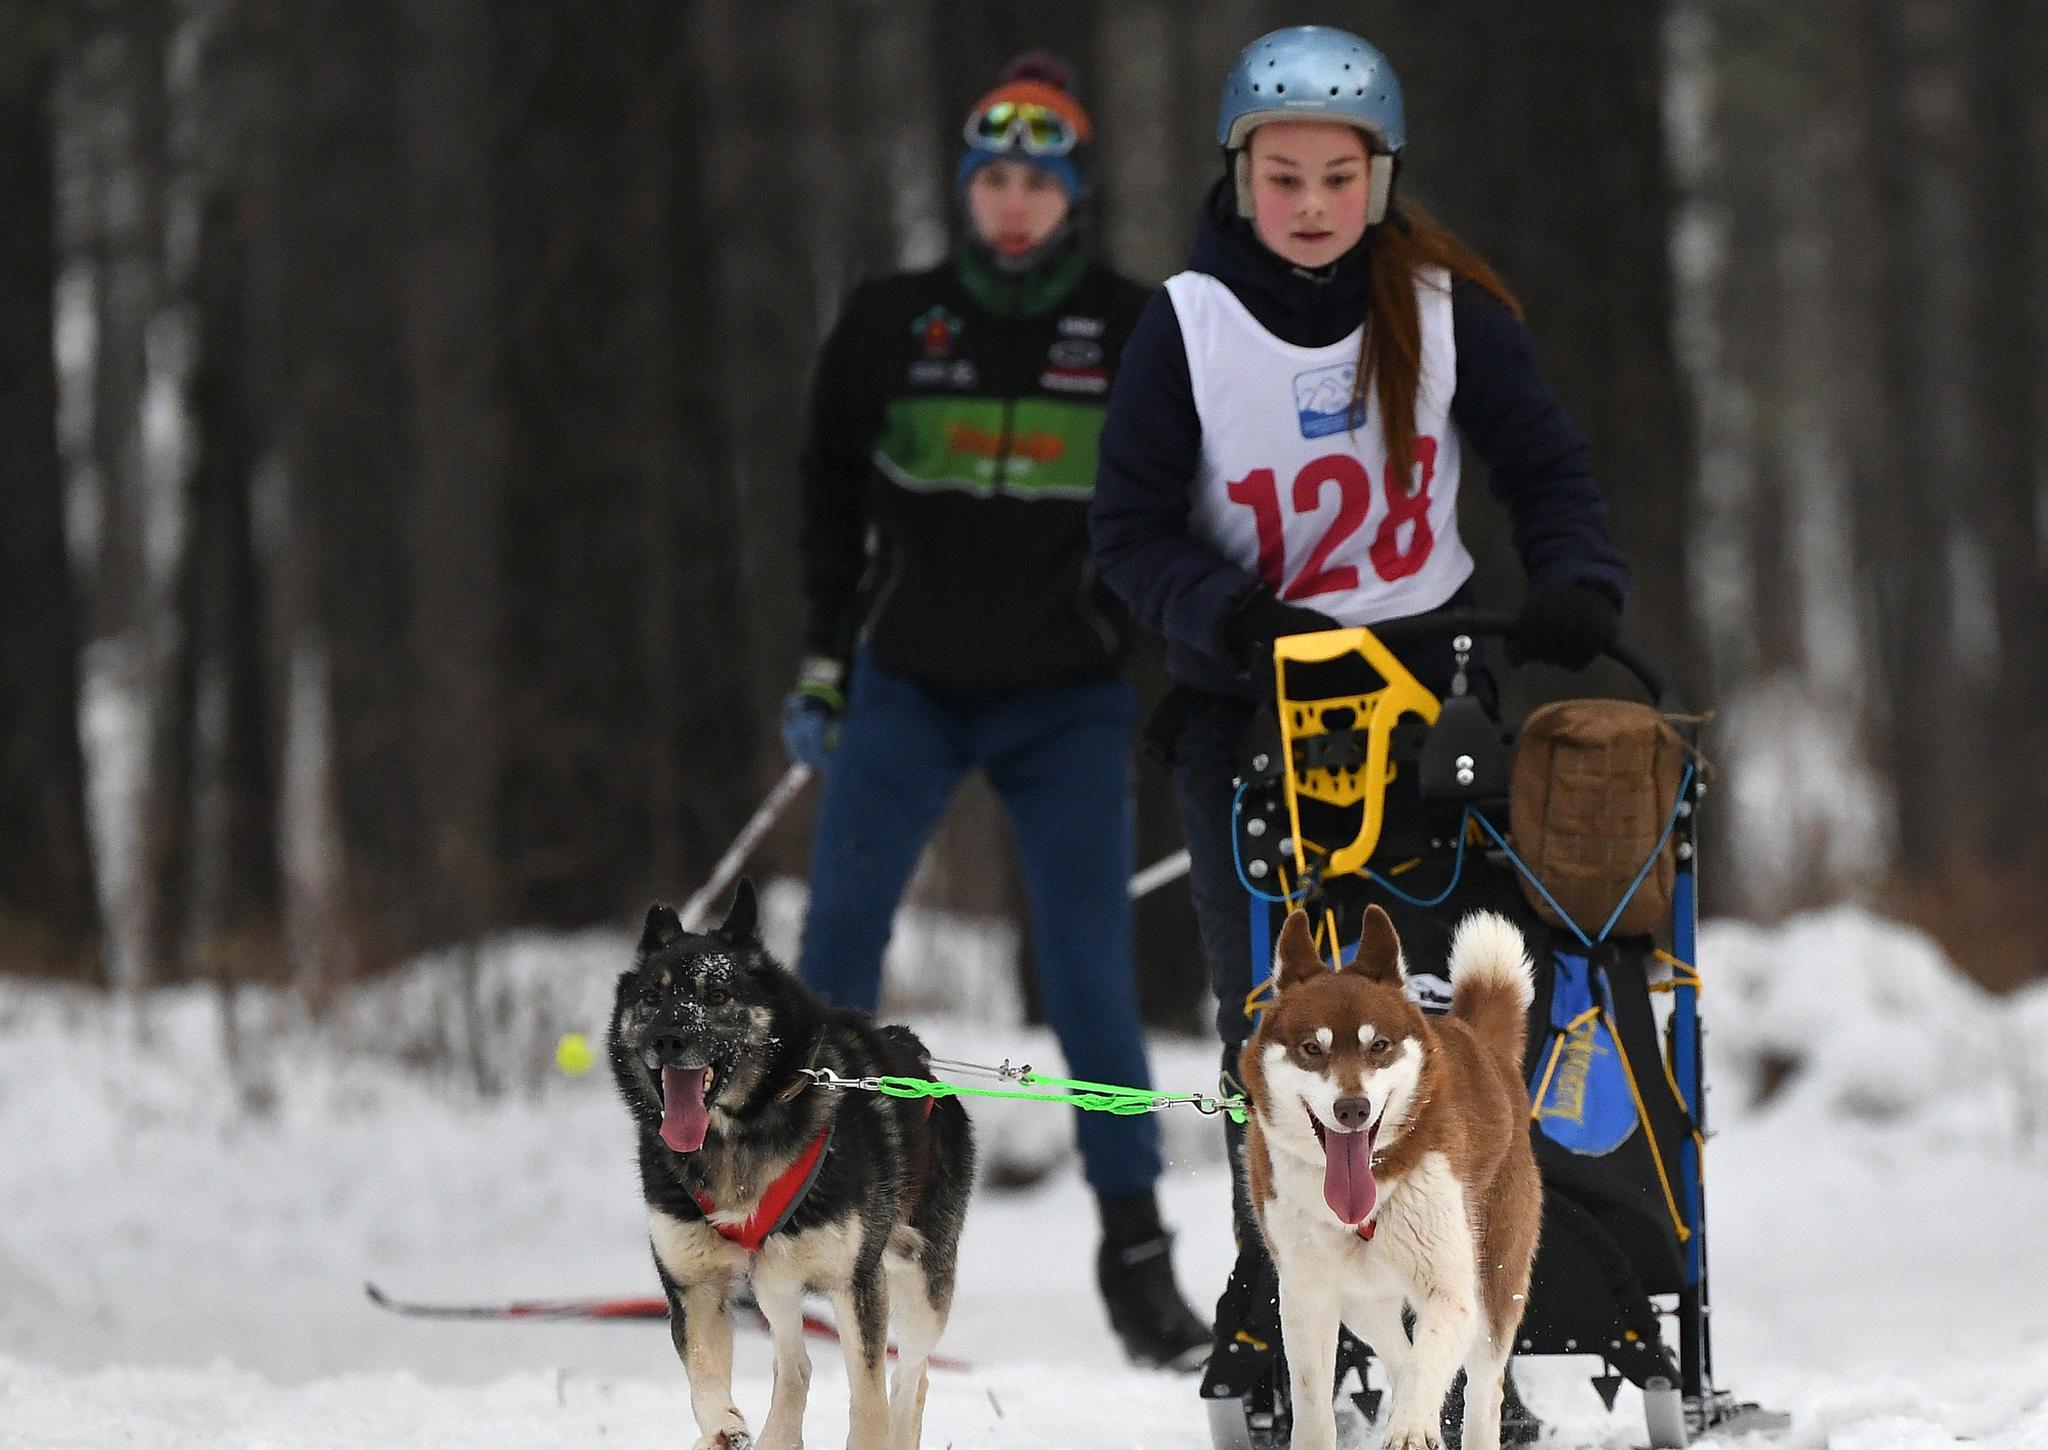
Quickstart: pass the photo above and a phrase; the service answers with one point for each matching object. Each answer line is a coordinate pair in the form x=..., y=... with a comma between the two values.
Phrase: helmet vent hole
x=1280, y=89
x=1333, y=90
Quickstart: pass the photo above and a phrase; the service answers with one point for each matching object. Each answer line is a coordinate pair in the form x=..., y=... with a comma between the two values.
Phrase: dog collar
x=1368, y=1228
x=803, y=1074
x=778, y=1203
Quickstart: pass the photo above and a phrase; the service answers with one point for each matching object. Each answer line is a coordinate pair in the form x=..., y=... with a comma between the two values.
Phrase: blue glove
x=810, y=712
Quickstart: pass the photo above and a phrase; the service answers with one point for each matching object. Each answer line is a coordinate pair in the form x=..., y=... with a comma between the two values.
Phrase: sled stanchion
x=1695, y=1351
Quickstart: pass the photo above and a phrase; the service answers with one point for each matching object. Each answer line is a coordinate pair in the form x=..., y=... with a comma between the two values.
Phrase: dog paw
x=1413, y=1437
x=733, y=1435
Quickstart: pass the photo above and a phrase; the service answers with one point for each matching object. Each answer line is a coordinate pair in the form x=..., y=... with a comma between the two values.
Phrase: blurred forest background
x=399, y=402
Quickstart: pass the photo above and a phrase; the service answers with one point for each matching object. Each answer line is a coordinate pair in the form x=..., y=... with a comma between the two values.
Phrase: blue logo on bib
x=1322, y=399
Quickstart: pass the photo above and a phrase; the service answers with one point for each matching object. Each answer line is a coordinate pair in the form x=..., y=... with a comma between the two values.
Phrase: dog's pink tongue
x=684, y=1118
x=1347, y=1174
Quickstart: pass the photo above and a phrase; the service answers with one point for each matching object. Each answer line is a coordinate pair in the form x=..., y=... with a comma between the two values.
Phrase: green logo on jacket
x=1044, y=449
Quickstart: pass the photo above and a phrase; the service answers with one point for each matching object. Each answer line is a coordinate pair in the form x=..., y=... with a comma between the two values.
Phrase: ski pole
x=1143, y=883
x=1158, y=874
x=771, y=809
x=619, y=1308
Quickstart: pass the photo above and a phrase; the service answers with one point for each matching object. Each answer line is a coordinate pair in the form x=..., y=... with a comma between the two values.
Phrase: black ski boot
x=1245, y=1385
x=1247, y=1325
x=1134, y=1270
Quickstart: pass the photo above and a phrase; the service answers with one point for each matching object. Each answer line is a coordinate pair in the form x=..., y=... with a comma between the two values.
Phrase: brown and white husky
x=1389, y=1162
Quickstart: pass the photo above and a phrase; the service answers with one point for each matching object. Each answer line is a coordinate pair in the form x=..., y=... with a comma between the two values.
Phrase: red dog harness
x=777, y=1204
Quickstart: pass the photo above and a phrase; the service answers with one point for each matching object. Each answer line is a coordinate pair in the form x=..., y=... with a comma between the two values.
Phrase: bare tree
x=49, y=912
x=236, y=932
x=1906, y=528
x=763, y=285
x=629, y=751
x=1538, y=135
x=345, y=444
x=1990, y=896
x=452, y=121
x=2008, y=45
x=117, y=111
x=1869, y=220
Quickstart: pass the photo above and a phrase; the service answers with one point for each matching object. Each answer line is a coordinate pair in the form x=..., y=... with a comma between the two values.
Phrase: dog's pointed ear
x=663, y=926
x=742, y=918
x=1294, y=955
x=1379, y=949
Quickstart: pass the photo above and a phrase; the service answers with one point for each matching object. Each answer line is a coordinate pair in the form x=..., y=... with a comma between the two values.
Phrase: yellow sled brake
x=1321, y=775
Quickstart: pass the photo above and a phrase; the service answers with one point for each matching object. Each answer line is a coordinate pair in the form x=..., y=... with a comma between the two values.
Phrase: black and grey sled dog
x=751, y=1170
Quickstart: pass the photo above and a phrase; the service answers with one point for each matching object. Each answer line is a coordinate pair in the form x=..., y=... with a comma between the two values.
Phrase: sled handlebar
x=1398, y=632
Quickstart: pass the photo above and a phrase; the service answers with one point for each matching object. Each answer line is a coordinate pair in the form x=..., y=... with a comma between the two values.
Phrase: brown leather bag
x=1594, y=781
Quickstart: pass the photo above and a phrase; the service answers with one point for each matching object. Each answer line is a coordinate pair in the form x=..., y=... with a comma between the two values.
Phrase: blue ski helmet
x=1314, y=73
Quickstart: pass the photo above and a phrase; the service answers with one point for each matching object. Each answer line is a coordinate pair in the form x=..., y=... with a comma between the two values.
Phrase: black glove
x=1565, y=624
x=1260, y=618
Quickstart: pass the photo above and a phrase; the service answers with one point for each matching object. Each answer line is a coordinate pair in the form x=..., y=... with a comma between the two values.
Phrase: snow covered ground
x=183, y=1248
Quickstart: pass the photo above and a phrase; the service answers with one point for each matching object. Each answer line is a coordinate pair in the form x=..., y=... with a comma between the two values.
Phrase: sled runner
x=1580, y=825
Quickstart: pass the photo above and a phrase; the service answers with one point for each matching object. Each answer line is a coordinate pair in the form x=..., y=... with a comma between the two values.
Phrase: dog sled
x=1580, y=825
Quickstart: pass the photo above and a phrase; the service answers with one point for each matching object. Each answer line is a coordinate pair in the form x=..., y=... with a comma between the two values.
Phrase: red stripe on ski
x=817, y=1326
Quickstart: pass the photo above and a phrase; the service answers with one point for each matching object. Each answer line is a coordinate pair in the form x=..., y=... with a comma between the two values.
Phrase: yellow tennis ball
x=573, y=1055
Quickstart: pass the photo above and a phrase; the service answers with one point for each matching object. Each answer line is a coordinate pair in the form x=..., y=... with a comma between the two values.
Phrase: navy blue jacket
x=1151, y=445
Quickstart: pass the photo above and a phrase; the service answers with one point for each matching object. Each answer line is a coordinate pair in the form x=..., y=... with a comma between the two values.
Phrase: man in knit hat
x=955, y=625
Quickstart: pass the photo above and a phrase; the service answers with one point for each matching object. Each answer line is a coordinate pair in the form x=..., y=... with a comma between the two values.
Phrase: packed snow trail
x=182, y=1254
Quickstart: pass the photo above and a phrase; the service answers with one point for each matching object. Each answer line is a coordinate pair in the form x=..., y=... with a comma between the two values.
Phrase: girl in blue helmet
x=1278, y=459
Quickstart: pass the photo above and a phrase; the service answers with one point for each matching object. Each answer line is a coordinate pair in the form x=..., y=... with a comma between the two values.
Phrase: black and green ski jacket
x=947, y=472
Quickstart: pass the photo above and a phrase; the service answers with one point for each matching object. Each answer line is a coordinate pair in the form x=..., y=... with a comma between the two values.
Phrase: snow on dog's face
x=690, y=1020
x=1334, y=1066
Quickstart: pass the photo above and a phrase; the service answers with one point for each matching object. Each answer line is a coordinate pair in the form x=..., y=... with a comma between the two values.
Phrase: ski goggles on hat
x=1027, y=126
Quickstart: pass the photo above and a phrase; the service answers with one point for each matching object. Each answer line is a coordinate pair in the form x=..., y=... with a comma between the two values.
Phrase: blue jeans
x=1059, y=758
